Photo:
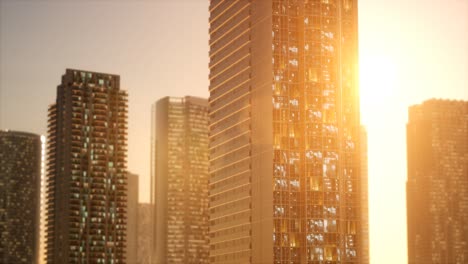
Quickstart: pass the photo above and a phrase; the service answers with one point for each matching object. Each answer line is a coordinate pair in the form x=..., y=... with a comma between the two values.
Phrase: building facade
x=145, y=233
x=132, y=217
x=284, y=132
x=87, y=171
x=181, y=180
x=437, y=186
x=364, y=199
x=20, y=176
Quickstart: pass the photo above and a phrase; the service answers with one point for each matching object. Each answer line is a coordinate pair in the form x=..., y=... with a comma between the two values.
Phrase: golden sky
x=410, y=51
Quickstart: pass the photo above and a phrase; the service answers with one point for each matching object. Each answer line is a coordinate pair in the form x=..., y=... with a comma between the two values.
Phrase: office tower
x=87, y=171
x=284, y=132
x=364, y=198
x=20, y=175
x=437, y=186
x=145, y=233
x=181, y=180
x=132, y=218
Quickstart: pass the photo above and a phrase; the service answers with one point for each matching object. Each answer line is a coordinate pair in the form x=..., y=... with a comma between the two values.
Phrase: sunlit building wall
x=132, y=218
x=284, y=132
x=20, y=176
x=437, y=186
x=364, y=198
x=86, y=174
x=181, y=180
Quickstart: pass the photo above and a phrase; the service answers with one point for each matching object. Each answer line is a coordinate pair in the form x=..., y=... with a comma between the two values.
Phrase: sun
x=378, y=80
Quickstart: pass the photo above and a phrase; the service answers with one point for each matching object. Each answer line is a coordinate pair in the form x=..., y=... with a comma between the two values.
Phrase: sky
x=410, y=51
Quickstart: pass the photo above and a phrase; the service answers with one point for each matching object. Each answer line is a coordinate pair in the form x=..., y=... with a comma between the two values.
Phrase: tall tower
x=284, y=132
x=87, y=171
x=437, y=186
x=181, y=180
x=20, y=176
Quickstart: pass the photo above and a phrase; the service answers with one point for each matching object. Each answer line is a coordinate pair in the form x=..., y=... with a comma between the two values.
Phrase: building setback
x=20, y=176
x=86, y=189
x=284, y=132
x=437, y=186
x=180, y=160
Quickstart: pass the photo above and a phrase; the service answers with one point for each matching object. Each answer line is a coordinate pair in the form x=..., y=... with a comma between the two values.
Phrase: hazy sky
x=410, y=51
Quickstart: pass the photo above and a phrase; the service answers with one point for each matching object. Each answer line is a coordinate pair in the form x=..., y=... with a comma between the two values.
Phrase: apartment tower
x=284, y=132
x=180, y=159
x=437, y=186
x=87, y=171
x=20, y=179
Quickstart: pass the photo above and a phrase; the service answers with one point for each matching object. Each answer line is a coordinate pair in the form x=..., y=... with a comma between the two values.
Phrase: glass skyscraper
x=284, y=132
x=20, y=179
x=180, y=180
x=437, y=186
x=87, y=171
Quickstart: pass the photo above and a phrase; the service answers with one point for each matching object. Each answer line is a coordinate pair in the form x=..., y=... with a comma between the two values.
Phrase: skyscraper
x=20, y=175
x=284, y=132
x=132, y=218
x=437, y=186
x=181, y=180
x=86, y=189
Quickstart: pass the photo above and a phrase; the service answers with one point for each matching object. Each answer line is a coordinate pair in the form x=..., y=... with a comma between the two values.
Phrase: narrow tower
x=181, y=180
x=87, y=171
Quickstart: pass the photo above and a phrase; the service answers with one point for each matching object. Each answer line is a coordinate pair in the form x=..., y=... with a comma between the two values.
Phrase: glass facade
x=437, y=186
x=87, y=171
x=20, y=176
x=284, y=132
x=181, y=180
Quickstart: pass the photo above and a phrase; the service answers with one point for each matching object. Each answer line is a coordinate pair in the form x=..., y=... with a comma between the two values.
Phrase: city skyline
x=389, y=101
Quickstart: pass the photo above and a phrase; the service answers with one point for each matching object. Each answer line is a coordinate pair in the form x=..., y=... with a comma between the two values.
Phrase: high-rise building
x=145, y=233
x=437, y=186
x=20, y=175
x=365, y=245
x=284, y=132
x=132, y=218
x=181, y=180
x=87, y=171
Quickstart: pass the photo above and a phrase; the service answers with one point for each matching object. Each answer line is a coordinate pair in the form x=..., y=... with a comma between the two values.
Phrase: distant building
x=20, y=176
x=364, y=198
x=181, y=180
x=437, y=186
x=284, y=132
x=87, y=171
x=145, y=233
x=132, y=218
